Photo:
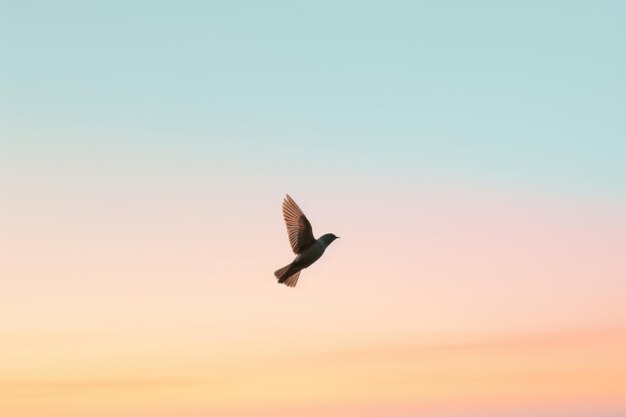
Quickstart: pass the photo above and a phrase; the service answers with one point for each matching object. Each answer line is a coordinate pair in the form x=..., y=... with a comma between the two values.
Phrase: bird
x=304, y=245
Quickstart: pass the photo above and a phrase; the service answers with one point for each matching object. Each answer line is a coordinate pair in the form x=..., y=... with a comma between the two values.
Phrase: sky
x=471, y=155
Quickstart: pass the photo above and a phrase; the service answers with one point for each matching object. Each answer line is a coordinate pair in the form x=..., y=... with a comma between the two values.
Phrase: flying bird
x=304, y=245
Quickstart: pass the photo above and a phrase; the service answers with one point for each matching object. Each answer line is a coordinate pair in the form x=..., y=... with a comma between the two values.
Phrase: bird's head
x=328, y=238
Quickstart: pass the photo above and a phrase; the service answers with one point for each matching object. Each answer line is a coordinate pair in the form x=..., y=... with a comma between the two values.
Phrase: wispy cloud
x=511, y=342
x=41, y=389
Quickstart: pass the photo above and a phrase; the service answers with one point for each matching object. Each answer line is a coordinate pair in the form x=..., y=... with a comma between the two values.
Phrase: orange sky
x=578, y=368
x=473, y=302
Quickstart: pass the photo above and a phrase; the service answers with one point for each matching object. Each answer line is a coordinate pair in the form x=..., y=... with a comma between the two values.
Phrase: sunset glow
x=471, y=159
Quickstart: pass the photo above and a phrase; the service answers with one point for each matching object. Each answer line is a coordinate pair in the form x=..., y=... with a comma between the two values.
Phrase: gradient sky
x=471, y=155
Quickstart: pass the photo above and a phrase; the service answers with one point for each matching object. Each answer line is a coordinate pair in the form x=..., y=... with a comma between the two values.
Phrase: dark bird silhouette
x=304, y=245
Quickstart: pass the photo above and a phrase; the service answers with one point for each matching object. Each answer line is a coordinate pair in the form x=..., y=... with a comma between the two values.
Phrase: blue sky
x=528, y=94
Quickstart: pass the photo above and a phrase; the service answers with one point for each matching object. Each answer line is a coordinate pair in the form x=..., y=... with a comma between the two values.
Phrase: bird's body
x=304, y=245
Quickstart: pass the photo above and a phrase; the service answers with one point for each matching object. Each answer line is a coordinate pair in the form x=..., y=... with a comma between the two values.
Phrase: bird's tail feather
x=286, y=275
x=281, y=272
x=292, y=280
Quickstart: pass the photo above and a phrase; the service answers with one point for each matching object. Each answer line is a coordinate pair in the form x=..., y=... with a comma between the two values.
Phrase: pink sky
x=446, y=302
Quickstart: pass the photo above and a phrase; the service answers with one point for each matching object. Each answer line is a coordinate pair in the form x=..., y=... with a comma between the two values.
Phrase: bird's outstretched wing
x=298, y=226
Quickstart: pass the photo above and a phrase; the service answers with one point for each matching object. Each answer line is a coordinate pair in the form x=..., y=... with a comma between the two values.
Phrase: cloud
x=541, y=342
x=38, y=389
